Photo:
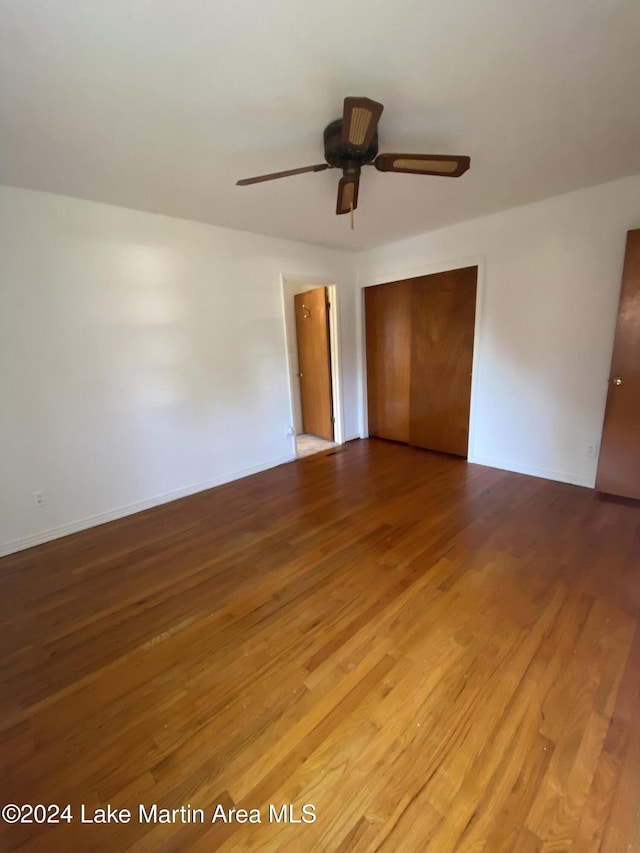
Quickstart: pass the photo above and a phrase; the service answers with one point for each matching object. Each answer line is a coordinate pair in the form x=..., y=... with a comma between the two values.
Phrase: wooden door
x=619, y=462
x=443, y=310
x=419, y=357
x=388, y=331
x=314, y=362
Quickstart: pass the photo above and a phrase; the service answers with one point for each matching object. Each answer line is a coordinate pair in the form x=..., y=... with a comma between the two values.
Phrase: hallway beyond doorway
x=307, y=445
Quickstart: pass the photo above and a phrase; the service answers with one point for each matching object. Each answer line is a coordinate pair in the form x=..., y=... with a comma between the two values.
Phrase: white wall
x=550, y=281
x=141, y=358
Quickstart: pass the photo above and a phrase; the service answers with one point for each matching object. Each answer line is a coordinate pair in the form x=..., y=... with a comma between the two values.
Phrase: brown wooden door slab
x=619, y=462
x=443, y=309
x=314, y=362
x=388, y=331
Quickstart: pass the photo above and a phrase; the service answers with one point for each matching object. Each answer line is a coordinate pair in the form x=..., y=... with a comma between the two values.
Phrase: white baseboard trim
x=52, y=533
x=532, y=471
x=21, y=544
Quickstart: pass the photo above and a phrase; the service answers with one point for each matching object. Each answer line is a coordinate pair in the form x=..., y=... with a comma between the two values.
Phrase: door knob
x=300, y=375
x=617, y=381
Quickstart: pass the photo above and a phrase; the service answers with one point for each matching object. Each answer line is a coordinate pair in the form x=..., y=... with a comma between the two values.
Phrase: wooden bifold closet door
x=388, y=331
x=419, y=356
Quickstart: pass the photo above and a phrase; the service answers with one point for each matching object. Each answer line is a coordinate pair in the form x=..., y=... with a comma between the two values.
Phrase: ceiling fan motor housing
x=337, y=154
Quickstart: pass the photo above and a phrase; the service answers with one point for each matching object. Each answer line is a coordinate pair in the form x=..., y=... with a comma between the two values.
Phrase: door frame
x=292, y=284
x=401, y=274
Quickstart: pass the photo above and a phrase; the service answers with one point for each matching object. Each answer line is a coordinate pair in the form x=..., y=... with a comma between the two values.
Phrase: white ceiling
x=162, y=105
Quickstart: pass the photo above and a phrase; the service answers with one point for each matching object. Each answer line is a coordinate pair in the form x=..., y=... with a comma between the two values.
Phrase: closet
x=419, y=345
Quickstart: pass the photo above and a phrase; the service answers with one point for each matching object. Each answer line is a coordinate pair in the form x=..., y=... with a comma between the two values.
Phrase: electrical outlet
x=39, y=498
x=591, y=450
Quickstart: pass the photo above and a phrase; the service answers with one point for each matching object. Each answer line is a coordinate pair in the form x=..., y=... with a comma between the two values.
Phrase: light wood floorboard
x=437, y=656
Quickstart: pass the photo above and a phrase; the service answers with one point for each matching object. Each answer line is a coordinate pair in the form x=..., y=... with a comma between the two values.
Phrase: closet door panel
x=443, y=321
x=388, y=346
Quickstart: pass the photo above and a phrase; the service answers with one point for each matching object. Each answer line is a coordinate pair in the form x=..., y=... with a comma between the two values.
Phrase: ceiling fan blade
x=359, y=122
x=449, y=166
x=347, y=195
x=246, y=181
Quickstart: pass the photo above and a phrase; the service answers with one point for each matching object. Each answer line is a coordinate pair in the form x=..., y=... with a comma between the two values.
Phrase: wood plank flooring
x=436, y=656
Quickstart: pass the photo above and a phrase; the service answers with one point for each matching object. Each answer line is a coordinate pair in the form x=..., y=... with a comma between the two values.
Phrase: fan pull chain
x=353, y=225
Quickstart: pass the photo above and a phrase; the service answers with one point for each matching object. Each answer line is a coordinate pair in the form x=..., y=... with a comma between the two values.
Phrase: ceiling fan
x=351, y=142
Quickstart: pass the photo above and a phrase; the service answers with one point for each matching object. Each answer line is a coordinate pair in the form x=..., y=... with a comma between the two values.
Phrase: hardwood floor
x=436, y=656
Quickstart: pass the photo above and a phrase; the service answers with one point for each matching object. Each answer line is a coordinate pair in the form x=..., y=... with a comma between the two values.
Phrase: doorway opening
x=309, y=445
x=310, y=313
